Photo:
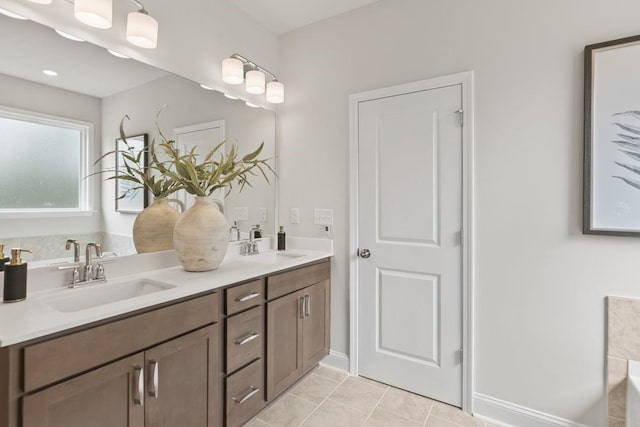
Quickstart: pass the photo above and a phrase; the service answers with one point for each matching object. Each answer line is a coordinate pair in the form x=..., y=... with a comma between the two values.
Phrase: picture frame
x=611, y=181
x=134, y=201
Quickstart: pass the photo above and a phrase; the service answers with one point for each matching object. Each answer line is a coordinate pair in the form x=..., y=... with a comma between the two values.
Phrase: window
x=44, y=161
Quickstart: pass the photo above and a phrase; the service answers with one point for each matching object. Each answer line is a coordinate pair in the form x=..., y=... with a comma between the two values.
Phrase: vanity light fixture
x=117, y=54
x=203, y=86
x=142, y=29
x=249, y=104
x=12, y=15
x=237, y=69
x=94, y=13
x=41, y=1
x=226, y=95
x=69, y=36
x=50, y=73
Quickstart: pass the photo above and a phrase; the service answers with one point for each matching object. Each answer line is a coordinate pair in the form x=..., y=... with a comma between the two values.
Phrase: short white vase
x=153, y=227
x=201, y=236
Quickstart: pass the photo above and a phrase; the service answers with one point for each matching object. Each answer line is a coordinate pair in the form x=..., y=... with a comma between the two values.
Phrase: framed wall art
x=612, y=138
x=130, y=199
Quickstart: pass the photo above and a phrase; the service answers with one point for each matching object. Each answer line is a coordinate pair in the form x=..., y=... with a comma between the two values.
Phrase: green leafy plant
x=143, y=176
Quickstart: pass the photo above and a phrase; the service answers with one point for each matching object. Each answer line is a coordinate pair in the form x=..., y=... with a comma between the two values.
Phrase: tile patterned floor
x=329, y=397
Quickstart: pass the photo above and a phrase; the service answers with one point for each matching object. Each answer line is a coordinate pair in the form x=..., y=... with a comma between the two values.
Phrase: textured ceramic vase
x=201, y=236
x=153, y=227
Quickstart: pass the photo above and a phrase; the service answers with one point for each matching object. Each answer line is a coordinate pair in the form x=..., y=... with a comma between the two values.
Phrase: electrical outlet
x=263, y=215
x=241, y=214
x=294, y=216
x=323, y=217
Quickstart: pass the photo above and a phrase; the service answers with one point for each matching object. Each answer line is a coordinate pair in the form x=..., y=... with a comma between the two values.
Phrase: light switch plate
x=241, y=213
x=263, y=215
x=323, y=216
x=294, y=216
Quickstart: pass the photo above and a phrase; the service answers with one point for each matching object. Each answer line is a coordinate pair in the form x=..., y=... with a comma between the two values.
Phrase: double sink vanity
x=156, y=345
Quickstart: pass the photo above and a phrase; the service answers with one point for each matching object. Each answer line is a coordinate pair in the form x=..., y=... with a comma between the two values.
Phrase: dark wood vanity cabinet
x=297, y=325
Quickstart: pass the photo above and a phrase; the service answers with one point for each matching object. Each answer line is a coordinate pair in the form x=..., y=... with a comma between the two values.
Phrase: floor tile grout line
x=446, y=419
x=376, y=405
x=324, y=400
x=429, y=414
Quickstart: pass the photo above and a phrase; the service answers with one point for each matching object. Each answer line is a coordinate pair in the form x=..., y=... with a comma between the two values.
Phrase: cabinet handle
x=301, y=304
x=153, y=386
x=248, y=395
x=247, y=338
x=138, y=388
x=247, y=297
x=307, y=306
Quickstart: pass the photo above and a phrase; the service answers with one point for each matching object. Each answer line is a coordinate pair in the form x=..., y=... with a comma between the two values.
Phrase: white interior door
x=410, y=221
x=205, y=136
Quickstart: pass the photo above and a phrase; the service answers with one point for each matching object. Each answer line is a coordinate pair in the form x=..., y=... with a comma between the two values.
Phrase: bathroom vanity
x=210, y=350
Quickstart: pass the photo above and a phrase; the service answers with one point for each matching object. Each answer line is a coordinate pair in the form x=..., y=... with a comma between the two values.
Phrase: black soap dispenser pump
x=15, y=277
x=282, y=239
x=3, y=259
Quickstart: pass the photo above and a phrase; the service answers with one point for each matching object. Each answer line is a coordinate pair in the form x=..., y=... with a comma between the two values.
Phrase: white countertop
x=33, y=318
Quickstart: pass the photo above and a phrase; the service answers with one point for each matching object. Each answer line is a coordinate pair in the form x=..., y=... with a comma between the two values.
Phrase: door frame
x=466, y=80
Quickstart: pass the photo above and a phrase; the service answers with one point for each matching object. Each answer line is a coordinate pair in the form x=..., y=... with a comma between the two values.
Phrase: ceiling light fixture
x=237, y=69
x=13, y=15
x=94, y=13
x=117, y=54
x=69, y=36
x=50, y=73
x=142, y=29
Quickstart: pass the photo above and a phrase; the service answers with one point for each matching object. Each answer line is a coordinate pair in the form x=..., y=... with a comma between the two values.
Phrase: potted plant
x=153, y=227
x=201, y=235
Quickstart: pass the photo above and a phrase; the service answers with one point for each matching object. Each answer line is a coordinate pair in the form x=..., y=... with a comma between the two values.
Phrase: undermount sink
x=273, y=257
x=72, y=300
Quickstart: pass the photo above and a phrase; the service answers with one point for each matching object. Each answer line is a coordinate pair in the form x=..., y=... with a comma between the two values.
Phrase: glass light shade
x=255, y=82
x=41, y=1
x=275, y=92
x=142, y=30
x=12, y=15
x=232, y=71
x=94, y=13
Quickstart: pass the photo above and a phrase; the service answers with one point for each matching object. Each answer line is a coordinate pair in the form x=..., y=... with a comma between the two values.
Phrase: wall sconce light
x=142, y=29
x=237, y=69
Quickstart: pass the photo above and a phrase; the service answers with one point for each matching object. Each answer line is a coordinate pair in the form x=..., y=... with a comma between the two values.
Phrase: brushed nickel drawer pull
x=307, y=306
x=301, y=304
x=248, y=395
x=138, y=389
x=247, y=338
x=248, y=297
x=153, y=387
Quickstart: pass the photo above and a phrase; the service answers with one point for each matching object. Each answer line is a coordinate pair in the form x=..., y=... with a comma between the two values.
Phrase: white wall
x=189, y=104
x=540, y=283
x=30, y=96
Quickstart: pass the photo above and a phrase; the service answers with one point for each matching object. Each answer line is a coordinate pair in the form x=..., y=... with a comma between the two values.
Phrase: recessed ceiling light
x=13, y=15
x=69, y=36
x=206, y=87
x=50, y=73
x=249, y=104
x=230, y=96
x=117, y=54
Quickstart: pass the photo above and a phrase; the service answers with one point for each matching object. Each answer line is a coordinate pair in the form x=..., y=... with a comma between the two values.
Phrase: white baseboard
x=501, y=413
x=337, y=360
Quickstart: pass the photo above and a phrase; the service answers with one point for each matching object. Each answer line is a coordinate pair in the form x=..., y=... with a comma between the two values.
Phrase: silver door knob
x=364, y=253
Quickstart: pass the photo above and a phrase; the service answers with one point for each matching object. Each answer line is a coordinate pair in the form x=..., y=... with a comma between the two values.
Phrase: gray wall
x=26, y=95
x=540, y=283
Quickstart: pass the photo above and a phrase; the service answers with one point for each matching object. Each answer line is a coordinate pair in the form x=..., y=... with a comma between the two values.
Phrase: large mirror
x=70, y=97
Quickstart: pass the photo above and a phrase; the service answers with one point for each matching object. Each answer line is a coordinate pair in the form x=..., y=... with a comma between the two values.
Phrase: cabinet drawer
x=244, y=338
x=291, y=281
x=62, y=357
x=245, y=296
x=245, y=394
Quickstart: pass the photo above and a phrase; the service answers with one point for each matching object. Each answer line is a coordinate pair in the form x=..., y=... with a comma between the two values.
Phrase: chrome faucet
x=88, y=266
x=250, y=247
x=76, y=248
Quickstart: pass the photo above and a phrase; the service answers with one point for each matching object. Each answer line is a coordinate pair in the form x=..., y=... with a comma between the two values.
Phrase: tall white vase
x=201, y=236
x=153, y=227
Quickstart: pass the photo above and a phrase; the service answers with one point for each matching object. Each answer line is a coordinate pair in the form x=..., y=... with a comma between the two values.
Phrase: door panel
x=187, y=380
x=410, y=218
x=101, y=398
x=315, y=330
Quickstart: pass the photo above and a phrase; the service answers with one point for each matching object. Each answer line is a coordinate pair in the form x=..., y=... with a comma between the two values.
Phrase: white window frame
x=87, y=184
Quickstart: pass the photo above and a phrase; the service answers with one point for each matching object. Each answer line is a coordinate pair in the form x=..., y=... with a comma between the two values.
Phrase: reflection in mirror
x=43, y=198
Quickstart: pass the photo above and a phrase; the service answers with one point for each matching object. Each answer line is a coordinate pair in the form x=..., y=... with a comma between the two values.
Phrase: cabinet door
x=110, y=396
x=182, y=381
x=284, y=343
x=315, y=330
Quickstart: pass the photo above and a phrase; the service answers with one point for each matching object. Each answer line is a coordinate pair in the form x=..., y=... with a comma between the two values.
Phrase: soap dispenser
x=3, y=259
x=15, y=277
